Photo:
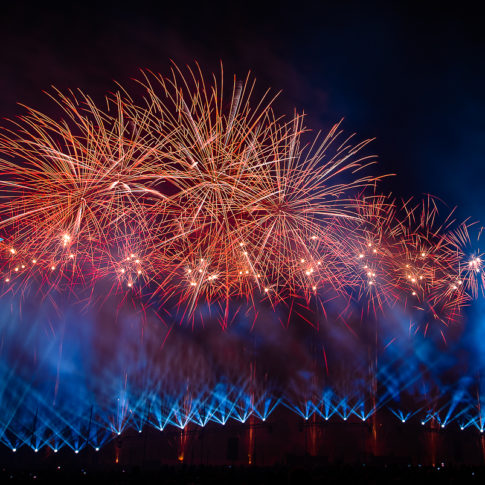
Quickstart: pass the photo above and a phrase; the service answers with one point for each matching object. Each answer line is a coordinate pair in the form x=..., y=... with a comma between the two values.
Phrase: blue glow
x=65, y=383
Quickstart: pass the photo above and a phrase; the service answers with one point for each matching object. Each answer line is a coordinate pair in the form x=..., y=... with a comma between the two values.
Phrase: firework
x=71, y=187
x=252, y=201
x=402, y=254
x=197, y=194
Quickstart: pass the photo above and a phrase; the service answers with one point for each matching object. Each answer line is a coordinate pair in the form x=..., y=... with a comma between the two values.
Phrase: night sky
x=410, y=77
x=413, y=78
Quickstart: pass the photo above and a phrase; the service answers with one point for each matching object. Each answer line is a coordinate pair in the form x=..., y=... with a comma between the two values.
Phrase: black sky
x=412, y=76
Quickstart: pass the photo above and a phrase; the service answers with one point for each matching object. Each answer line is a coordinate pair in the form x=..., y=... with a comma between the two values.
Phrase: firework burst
x=199, y=193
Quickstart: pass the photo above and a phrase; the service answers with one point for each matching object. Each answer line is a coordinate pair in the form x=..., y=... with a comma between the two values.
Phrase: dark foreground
x=277, y=475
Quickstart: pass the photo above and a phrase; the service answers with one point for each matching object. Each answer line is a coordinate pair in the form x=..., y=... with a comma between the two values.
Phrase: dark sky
x=412, y=77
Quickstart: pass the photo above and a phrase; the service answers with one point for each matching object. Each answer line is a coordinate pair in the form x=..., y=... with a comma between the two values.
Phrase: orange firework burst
x=372, y=251
x=403, y=255
x=249, y=204
x=71, y=187
x=201, y=193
